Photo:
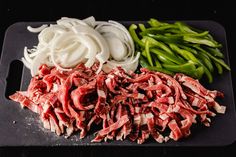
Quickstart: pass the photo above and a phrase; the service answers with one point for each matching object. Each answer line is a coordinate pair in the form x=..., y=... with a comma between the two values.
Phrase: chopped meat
x=121, y=105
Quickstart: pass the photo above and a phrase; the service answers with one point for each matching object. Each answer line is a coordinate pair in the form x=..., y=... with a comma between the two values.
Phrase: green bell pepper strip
x=220, y=61
x=168, y=39
x=188, y=68
x=200, y=41
x=208, y=74
x=155, y=23
x=189, y=56
x=145, y=64
x=215, y=52
x=158, y=44
x=188, y=48
x=219, y=68
x=163, y=70
x=149, y=58
x=144, y=53
x=156, y=61
x=142, y=27
x=199, y=72
x=161, y=29
x=184, y=53
x=184, y=28
x=206, y=61
x=203, y=34
x=166, y=55
x=181, y=34
x=135, y=37
x=164, y=60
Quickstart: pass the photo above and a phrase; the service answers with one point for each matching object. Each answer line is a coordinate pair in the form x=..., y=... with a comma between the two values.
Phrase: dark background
x=221, y=11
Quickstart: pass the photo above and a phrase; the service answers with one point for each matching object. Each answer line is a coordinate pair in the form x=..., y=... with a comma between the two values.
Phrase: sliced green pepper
x=164, y=60
x=158, y=44
x=168, y=39
x=184, y=28
x=215, y=52
x=220, y=61
x=166, y=55
x=163, y=70
x=184, y=53
x=135, y=37
x=219, y=68
x=143, y=62
x=202, y=41
x=149, y=58
x=142, y=27
x=157, y=63
x=206, y=61
x=189, y=66
x=155, y=23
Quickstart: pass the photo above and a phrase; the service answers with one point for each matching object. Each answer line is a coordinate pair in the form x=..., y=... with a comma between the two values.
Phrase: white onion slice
x=125, y=58
x=129, y=65
x=117, y=48
x=38, y=29
x=104, y=54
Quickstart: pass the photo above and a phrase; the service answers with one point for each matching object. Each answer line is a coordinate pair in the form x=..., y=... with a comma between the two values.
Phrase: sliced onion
x=113, y=30
x=90, y=21
x=72, y=41
x=38, y=29
x=40, y=59
x=26, y=56
x=104, y=54
x=69, y=22
x=129, y=65
x=118, y=49
x=26, y=63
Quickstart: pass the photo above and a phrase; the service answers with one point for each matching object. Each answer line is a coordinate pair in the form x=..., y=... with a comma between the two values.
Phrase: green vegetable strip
x=187, y=48
x=142, y=27
x=181, y=34
x=215, y=52
x=160, y=70
x=206, y=61
x=164, y=60
x=214, y=58
x=219, y=68
x=133, y=34
x=189, y=56
x=156, y=61
x=208, y=74
x=155, y=23
x=166, y=55
x=143, y=62
x=200, y=41
x=200, y=71
x=184, y=53
x=161, y=29
x=158, y=44
x=184, y=28
x=144, y=53
x=168, y=39
x=187, y=67
x=148, y=53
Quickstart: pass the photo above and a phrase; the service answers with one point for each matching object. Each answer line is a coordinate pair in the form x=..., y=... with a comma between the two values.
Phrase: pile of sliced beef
x=119, y=105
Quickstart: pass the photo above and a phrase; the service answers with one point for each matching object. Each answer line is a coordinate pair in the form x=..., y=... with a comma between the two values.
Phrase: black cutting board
x=21, y=127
